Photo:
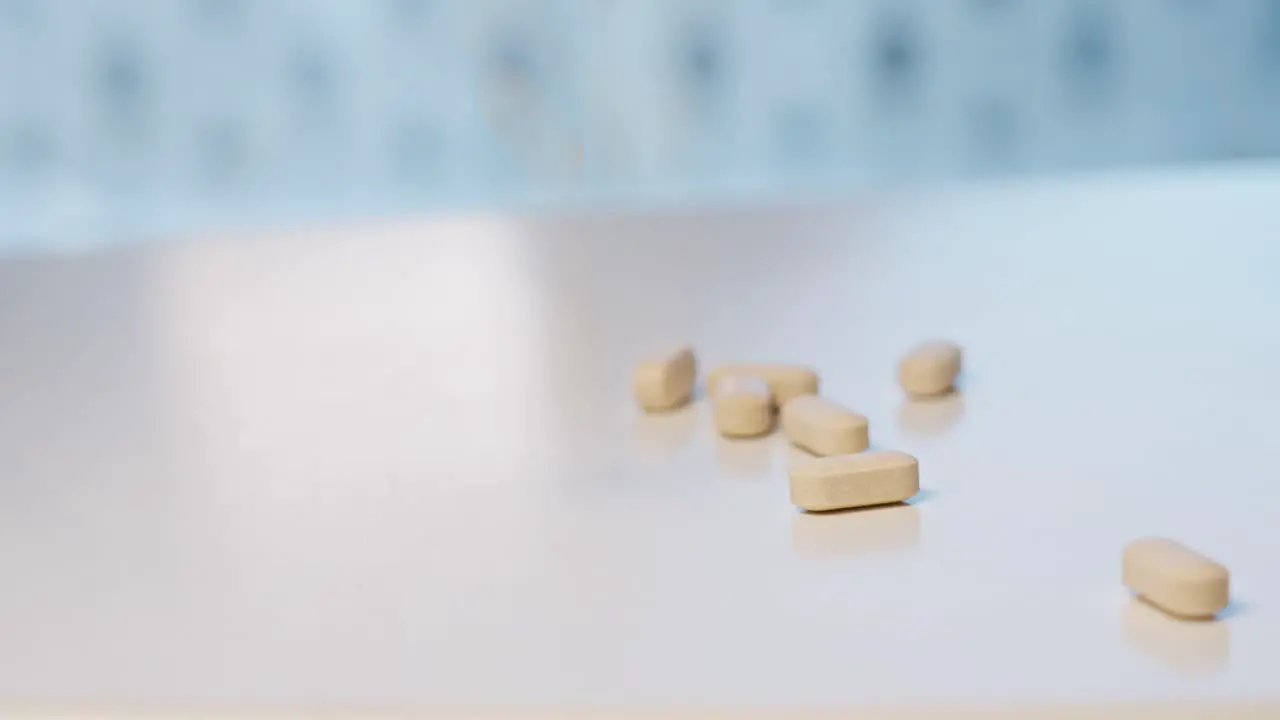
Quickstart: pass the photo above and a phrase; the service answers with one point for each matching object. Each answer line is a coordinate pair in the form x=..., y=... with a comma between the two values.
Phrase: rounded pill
x=838, y=482
x=930, y=369
x=823, y=427
x=666, y=383
x=743, y=407
x=1175, y=578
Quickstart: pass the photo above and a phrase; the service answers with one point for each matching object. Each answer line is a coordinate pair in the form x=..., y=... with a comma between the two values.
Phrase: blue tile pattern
x=474, y=101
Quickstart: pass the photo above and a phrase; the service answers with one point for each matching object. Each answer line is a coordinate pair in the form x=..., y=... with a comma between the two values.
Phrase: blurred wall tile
x=478, y=101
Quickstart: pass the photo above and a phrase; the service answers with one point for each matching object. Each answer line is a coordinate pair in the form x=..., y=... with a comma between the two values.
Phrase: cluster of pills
x=750, y=400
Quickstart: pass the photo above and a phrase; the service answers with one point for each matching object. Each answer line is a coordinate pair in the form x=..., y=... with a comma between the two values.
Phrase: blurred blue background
x=122, y=118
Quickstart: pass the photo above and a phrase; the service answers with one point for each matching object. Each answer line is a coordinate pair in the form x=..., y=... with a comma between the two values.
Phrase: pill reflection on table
x=744, y=457
x=663, y=434
x=885, y=529
x=927, y=417
x=1190, y=647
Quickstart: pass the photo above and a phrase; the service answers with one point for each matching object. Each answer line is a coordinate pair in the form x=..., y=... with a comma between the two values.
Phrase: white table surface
x=397, y=467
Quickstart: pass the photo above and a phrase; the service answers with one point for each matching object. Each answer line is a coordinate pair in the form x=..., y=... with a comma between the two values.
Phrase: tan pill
x=823, y=427
x=1175, y=578
x=930, y=369
x=785, y=381
x=848, y=481
x=743, y=407
x=667, y=382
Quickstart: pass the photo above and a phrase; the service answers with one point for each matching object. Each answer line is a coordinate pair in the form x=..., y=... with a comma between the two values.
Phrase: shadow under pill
x=1185, y=646
x=1235, y=608
x=893, y=528
x=924, y=495
x=927, y=417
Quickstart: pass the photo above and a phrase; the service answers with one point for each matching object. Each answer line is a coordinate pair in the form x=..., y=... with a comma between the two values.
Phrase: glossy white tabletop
x=398, y=467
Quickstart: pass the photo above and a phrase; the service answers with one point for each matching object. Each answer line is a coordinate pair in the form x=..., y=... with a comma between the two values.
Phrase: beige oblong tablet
x=667, y=382
x=823, y=427
x=743, y=407
x=1175, y=578
x=848, y=481
x=785, y=381
x=930, y=369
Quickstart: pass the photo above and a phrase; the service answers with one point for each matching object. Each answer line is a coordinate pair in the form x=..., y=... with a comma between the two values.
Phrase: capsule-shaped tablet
x=849, y=481
x=666, y=383
x=1175, y=578
x=785, y=381
x=929, y=369
x=823, y=427
x=743, y=407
